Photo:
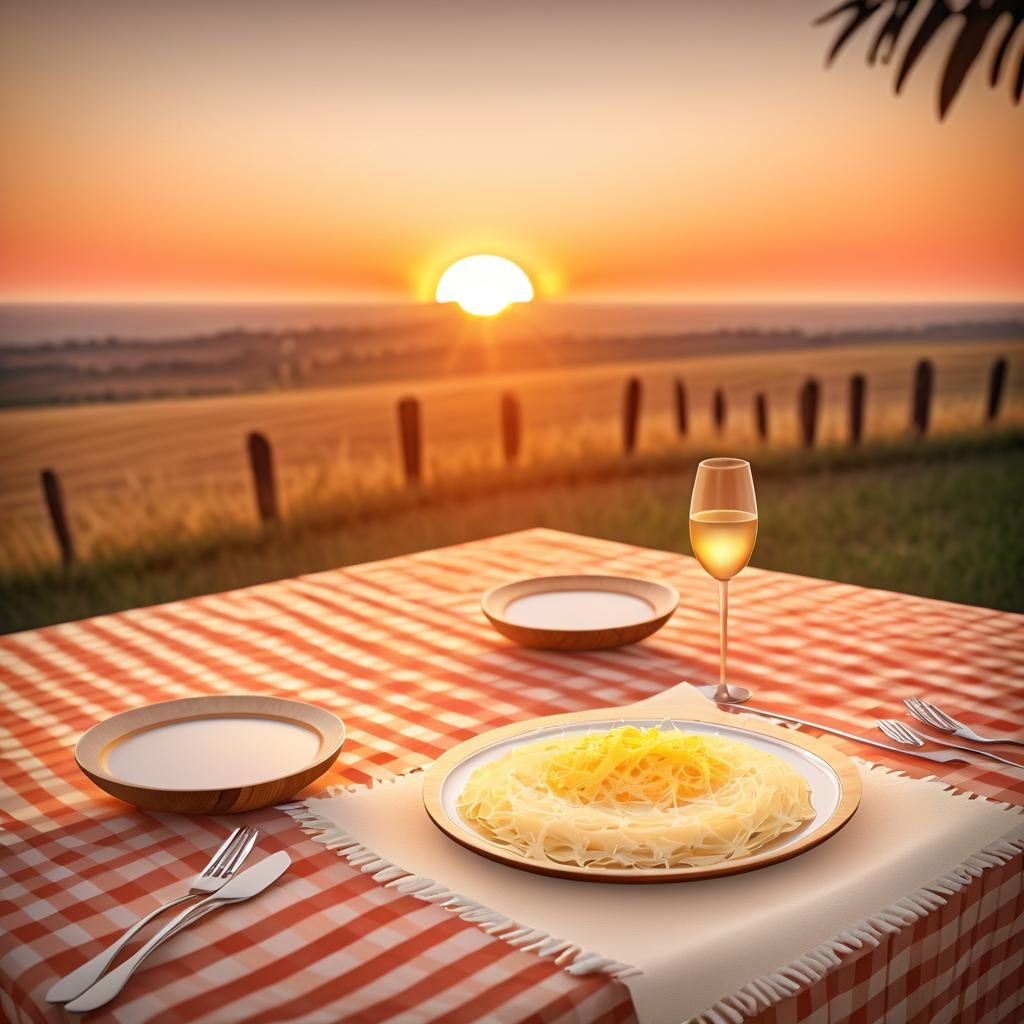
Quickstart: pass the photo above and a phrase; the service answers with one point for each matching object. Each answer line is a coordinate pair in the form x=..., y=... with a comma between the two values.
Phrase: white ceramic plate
x=832, y=778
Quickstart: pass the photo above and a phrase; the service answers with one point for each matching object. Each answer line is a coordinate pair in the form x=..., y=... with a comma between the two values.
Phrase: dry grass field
x=940, y=518
x=165, y=471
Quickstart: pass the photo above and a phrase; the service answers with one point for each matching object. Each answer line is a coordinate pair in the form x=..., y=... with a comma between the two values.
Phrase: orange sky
x=335, y=150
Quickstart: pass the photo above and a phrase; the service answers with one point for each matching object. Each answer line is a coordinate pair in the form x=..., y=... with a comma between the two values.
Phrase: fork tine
x=222, y=850
x=941, y=715
x=899, y=732
x=886, y=726
x=938, y=718
x=216, y=870
x=220, y=868
x=241, y=853
x=912, y=734
x=910, y=703
x=921, y=713
x=924, y=712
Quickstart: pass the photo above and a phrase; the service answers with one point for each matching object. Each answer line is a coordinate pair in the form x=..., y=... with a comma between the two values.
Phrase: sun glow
x=484, y=285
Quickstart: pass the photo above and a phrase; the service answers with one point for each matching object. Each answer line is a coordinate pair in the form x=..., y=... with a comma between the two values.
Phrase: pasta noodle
x=630, y=797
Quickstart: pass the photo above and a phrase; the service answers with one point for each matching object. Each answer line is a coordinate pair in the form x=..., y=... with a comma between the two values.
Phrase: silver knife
x=249, y=883
x=942, y=756
x=222, y=868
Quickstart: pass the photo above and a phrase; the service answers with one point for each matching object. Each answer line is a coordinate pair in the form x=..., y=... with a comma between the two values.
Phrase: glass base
x=737, y=694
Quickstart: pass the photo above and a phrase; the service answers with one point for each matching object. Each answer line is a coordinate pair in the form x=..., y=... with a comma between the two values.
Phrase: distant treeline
x=956, y=331
x=230, y=335
x=248, y=361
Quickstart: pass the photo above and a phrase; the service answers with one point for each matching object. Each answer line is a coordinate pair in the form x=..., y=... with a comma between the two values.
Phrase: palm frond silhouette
x=978, y=20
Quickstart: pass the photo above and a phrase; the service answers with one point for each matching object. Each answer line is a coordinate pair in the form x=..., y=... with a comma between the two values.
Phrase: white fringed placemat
x=714, y=950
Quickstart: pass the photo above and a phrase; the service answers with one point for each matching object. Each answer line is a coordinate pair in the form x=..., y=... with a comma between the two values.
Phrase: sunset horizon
x=609, y=297
x=201, y=158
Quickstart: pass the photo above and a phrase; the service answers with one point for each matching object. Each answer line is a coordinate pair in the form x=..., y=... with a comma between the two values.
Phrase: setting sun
x=484, y=285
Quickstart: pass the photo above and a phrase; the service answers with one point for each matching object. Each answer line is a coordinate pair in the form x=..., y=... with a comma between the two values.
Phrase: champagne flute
x=723, y=528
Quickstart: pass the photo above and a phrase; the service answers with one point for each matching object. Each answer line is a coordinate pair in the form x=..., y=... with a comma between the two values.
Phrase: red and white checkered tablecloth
x=400, y=650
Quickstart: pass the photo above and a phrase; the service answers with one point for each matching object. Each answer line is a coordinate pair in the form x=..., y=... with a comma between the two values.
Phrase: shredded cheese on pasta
x=630, y=797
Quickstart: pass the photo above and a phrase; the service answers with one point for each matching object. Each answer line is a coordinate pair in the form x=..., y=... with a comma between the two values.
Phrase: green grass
x=941, y=519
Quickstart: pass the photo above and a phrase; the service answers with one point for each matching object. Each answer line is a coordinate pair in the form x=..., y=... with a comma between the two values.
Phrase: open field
x=136, y=474
x=941, y=518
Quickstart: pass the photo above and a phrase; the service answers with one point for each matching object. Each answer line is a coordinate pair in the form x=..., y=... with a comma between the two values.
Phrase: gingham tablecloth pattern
x=400, y=650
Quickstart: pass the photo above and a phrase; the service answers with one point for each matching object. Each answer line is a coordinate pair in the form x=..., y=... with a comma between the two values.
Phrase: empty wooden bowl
x=579, y=613
x=211, y=755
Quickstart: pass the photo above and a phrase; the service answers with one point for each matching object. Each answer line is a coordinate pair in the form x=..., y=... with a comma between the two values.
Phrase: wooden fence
x=808, y=407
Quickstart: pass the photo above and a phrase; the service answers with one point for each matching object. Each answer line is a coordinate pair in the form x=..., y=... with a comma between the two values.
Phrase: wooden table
x=401, y=651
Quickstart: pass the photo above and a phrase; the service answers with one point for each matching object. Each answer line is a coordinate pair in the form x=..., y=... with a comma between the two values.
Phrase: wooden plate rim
x=845, y=769
x=662, y=608
x=95, y=740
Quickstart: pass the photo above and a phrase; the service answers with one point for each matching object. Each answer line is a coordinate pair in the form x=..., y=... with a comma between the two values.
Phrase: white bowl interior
x=578, y=608
x=215, y=752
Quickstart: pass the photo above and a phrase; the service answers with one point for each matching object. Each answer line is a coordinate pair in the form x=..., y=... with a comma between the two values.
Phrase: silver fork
x=902, y=733
x=223, y=864
x=928, y=713
x=936, y=756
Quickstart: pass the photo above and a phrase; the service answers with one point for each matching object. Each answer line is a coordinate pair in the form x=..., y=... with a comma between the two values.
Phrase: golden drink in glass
x=723, y=528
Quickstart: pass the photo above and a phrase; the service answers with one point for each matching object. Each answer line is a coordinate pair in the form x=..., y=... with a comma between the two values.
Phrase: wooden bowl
x=211, y=755
x=595, y=612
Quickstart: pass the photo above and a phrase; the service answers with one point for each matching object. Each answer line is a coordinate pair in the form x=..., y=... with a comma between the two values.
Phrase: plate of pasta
x=641, y=799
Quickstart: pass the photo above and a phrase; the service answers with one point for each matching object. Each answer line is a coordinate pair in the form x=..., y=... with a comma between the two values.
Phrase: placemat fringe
x=574, y=959
x=760, y=994
x=754, y=997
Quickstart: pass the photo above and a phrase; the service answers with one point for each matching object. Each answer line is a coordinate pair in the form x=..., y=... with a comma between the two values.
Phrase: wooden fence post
x=410, y=434
x=511, y=427
x=54, y=495
x=996, y=386
x=261, y=459
x=631, y=415
x=761, y=416
x=681, y=417
x=809, y=401
x=924, y=379
x=858, y=394
x=718, y=409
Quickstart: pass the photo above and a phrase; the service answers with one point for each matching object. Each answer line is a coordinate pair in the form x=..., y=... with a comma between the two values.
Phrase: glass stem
x=722, y=693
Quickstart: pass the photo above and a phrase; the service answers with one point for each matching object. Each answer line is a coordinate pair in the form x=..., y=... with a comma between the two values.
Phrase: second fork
x=902, y=733
x=932, y=715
